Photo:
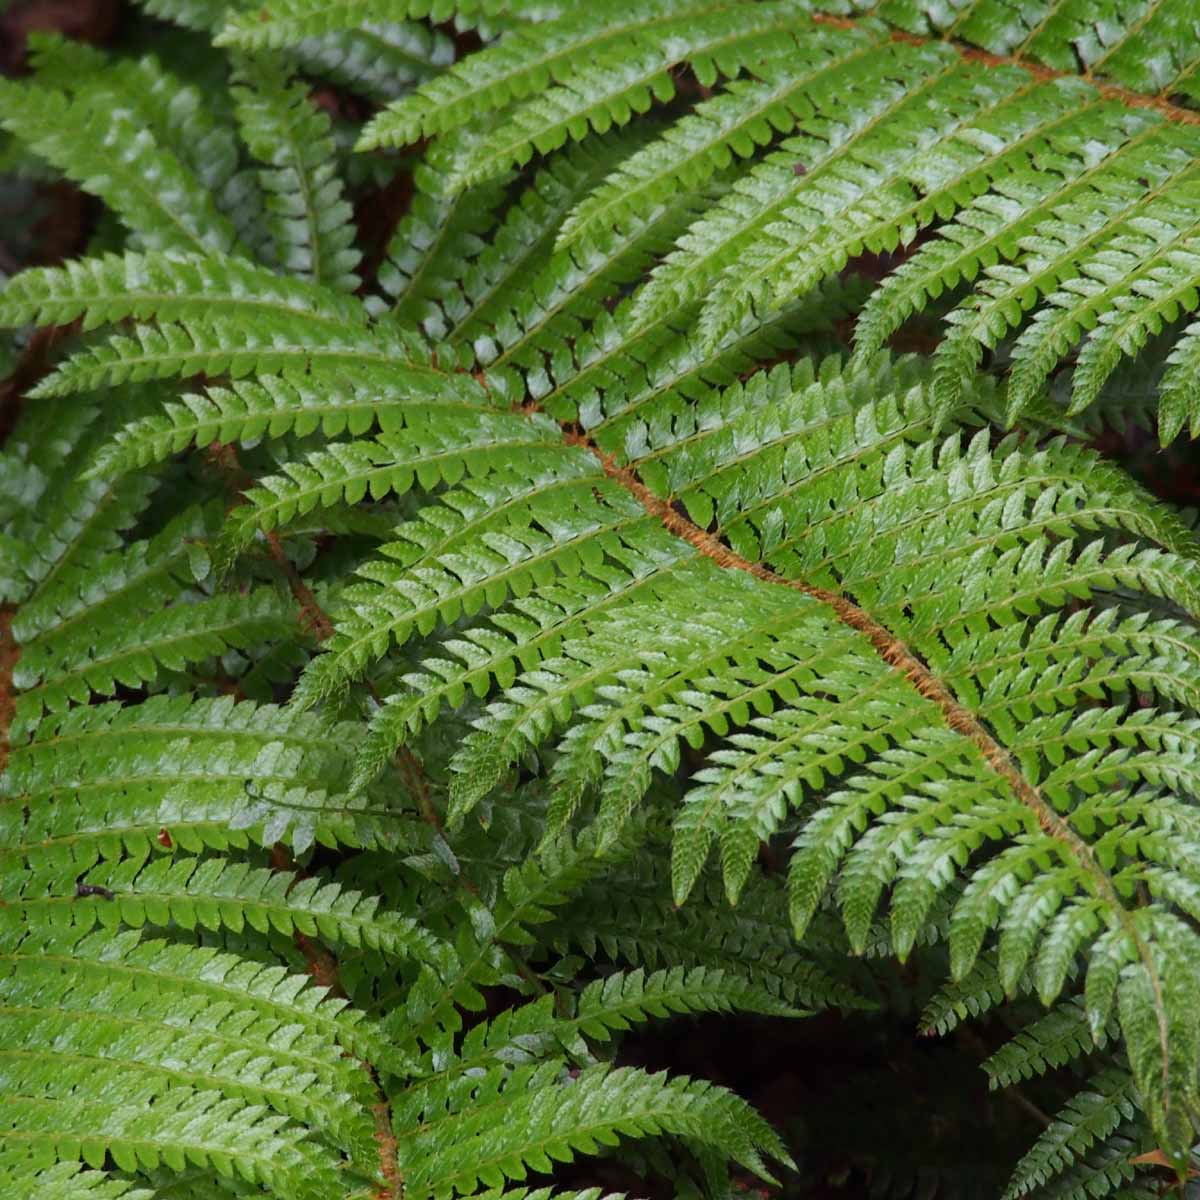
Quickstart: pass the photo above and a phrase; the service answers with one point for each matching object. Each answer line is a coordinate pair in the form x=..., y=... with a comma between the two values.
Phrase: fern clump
x=381, y=612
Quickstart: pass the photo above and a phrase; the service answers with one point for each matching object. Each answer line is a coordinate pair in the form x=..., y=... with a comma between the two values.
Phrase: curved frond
x=547, y=1119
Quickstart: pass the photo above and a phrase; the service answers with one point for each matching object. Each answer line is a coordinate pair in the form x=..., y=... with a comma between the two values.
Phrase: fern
x=162, y=201
x=308, y=219
x=380, y=607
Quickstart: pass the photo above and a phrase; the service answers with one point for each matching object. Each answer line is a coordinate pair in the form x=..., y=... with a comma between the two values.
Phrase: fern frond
x=1177, y=405
x=977, y=125
x=572, y=291
x=79, y=524
x=614, y=1003
x=637, y=663
x=111, y=155
x=167, y=287
x=201, y=15
x=1088, y=1118
x=290, y=21
x=73, y=524
x=545, y=1119
x=54, y=1114
x=1145, y=49
x=435, y=241
x=991, y=229
x=211, y=773
x=745, y=115
x=490, y=651
x=309, y=220
x=430, y=448
x=211, y=347
x=1107, y=1171
x=715, y=243
x=653, y=591
x=175, y=112
x=55, y=672
x=1054, y=1039
x=523, y=62
x=213, y=894
x=334, y=399
x=541, y=1031
x=224, y=990
x=66, y=1180
x=746, y=938
x=376, y=58
x=622, y=80
x=140, y=580
x=601, y=547
x=48, y=1022
x=529, y=894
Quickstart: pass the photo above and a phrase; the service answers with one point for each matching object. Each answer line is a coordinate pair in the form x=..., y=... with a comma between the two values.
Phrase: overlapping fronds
x=1040, y=191
x=378, y=609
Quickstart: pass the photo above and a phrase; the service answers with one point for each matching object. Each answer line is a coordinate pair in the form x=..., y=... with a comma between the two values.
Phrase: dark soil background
x=869, y=1107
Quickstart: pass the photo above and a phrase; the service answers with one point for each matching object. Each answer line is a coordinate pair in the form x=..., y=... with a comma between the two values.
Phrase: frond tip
x=548, y=1119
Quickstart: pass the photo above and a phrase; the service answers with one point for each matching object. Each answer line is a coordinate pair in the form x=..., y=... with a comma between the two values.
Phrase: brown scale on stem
x=313, y=619
x=312, y=616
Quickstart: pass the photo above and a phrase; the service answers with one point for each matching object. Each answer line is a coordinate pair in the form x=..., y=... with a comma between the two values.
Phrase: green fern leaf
x=308, y=218
x=545, y=1121
x=106, y=151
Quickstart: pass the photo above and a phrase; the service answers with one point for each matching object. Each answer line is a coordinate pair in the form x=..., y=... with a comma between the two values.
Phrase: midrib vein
x=893, y=651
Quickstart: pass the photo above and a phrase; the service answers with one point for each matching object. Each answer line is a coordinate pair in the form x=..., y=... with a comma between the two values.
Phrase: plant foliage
x=382, y=610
